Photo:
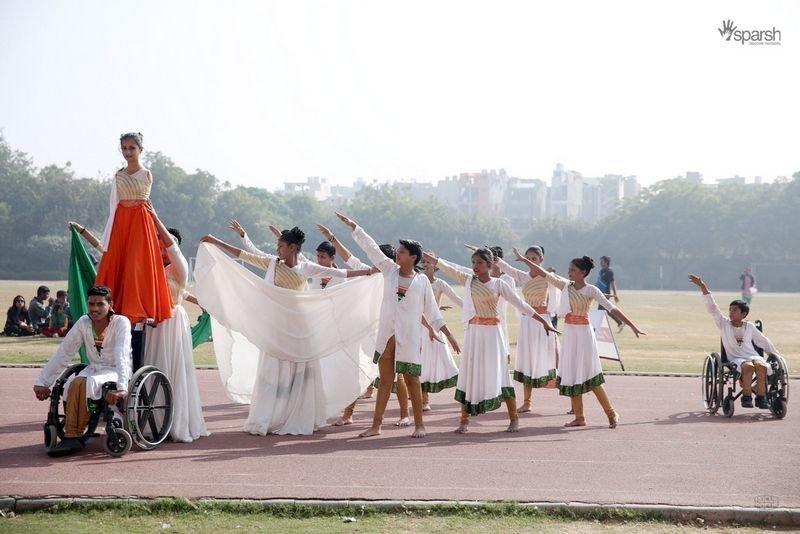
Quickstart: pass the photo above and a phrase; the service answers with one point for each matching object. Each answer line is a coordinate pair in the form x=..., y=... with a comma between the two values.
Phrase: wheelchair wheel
x=50, y=436
x=778, y=386
x=778, y=408
x=710, y=383
x=56, y=416
x=148, y=411
x=118, y=442
x=728, y=406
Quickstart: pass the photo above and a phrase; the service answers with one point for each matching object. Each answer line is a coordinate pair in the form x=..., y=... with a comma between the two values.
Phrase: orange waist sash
x=485, y=321
x=576, y=319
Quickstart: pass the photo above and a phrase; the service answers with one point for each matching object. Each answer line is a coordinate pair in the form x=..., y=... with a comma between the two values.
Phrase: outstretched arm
x=457, y=272
x=711, y=304
x=368, y=245
x=261, y=261
x=87, y=235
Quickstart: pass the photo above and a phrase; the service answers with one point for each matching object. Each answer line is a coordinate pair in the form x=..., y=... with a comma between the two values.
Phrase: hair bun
x=589, y=260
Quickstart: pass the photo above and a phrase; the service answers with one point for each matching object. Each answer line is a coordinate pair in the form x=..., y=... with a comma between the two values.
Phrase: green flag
x=80, y=279
x=201, y=332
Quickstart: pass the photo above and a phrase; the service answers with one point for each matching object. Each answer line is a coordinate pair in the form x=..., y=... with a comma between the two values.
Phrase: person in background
x=59, y=322
x=63, y=300
x=40, y=308
x=748, y=286
x=607, y=284
x=17, y=321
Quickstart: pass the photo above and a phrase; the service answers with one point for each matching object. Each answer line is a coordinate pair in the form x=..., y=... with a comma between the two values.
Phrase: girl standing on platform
x=131, y=266
x=579, y=368
x=483, y=381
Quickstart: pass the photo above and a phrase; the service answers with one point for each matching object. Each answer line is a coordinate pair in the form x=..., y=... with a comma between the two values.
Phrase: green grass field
x=679, y=331
x=189, y=517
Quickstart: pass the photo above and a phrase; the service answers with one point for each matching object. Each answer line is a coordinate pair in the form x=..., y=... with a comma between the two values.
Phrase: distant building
x=314, y=186
x=736, y=180
x=525, y=202
x=694, y=177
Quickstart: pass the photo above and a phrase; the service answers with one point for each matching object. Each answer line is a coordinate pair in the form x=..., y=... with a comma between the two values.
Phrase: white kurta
x=439, y=369
x=401, y=318
x=502, y=311
x=299, y=357
x=739, y=353
x=111, y=364
x=168, y=347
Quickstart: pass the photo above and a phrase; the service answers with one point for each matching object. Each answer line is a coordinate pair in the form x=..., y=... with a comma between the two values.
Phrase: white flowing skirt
x=483, y=379
x=168, y=347
x=536, y=353
x=579, y=368
x=439, y=369
x=288, y=398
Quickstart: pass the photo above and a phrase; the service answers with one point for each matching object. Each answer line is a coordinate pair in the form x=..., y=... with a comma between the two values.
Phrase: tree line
x=654, y=239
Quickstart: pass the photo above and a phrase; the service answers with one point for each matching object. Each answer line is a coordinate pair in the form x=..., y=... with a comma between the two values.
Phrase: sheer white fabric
x=301, y=356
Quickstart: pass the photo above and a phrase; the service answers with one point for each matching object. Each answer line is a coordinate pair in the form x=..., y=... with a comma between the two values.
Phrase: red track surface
x=666, y=450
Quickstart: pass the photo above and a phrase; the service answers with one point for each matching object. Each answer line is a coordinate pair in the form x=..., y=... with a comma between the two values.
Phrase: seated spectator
x=59, y=322
x=17, y=321
x=39, y=310
x=63, y=299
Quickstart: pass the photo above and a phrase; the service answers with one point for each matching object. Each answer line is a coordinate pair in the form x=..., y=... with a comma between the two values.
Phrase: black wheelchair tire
x=728, y=406
x=778, y=408
x=118, y=442
x=50, y=436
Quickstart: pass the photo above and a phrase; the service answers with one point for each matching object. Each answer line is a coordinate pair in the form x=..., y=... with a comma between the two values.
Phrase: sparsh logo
x=730, y=31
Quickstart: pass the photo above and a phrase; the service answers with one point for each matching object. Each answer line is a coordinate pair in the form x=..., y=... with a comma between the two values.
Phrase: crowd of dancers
x=327, y=333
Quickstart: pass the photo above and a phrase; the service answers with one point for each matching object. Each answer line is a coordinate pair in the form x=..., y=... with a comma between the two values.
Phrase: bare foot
x=403, y=421
x=463, y=428
x=513, y=426
x=419, y=432
x=576, y=422
x=373, y=431
x=367, y=394
x=525, y=408
x=613, y=419
x=342, y=421
x=426, y=408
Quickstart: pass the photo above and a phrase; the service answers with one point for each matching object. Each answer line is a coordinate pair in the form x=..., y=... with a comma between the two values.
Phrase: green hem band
x=538, y=382
x=436, y=387
x=406, y=368
x=579, y=389
x=485, y=405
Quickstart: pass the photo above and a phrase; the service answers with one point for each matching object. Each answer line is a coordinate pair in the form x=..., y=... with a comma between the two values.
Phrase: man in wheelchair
x=107, y=338
x=740, y=339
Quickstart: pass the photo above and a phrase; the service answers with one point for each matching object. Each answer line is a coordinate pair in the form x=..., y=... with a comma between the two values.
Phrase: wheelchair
x=146, y=412
x=720, y=378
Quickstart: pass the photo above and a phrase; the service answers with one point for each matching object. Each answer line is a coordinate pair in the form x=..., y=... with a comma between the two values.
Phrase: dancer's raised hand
x=519, y=256
x=346, y=220
x=208, y=238
x=696, y=280
x=324, y=230
x=473, y=248
x=234, y=225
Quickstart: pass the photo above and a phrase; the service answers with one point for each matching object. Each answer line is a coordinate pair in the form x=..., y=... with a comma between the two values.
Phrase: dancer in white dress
x=579, y=368
x=535, y=364
x=285, y=399
x=168, y=346
x=407, y=297
x=439, y=369
x=483, y=380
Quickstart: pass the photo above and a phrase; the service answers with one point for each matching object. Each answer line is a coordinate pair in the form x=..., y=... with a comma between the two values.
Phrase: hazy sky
x=261, y=92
